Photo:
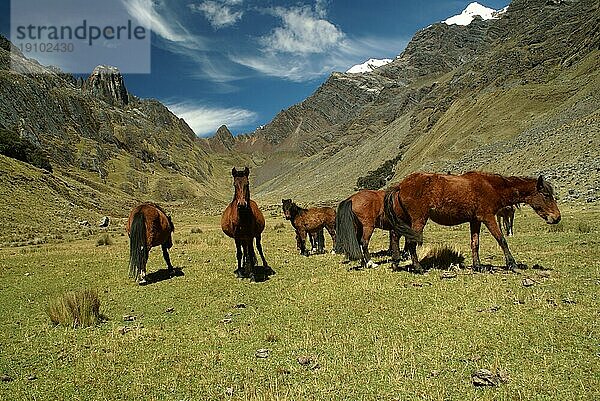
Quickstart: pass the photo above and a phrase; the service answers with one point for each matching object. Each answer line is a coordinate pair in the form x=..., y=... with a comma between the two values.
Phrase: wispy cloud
x=307, y=46
x=145, y=13
x=218, y=14
x=206, y=120
x=303, y=44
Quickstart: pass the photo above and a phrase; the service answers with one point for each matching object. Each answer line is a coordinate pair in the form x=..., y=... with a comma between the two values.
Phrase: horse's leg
x=301, y=241
x=497, y=233
x=266, y=266
x=331, y=230
x=320, y=241
x=367, y=231
x=246, y=260
x=417, y=226
x=313, y=237
x=239, y=255
x=499, y=219
x=394, y=249
x=165, y=250
x=475, y=227
x=510, y=225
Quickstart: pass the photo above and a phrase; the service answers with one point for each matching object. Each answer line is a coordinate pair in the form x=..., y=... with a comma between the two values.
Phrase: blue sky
x=240, y=62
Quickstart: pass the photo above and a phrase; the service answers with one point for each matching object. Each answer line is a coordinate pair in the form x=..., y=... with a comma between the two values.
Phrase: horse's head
x=542, y=201
x=287, y=208
x=241, y=186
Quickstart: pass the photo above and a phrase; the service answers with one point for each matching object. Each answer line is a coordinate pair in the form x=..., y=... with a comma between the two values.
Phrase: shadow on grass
x=163, y=274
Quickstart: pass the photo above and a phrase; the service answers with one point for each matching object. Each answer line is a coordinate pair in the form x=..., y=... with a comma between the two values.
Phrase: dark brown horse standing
x=473, y=198
x=148, y=226
x=243, y=221
x=356, y=219
x=309, y=221
x=506, y=219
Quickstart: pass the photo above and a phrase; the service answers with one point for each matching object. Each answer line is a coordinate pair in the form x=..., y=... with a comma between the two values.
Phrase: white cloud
x=303, y=31
x=219, y=14
x=145, y=13
x=205, y=120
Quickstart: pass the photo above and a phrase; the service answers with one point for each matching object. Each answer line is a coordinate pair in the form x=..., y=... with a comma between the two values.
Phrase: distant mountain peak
x=368, y=65
x=473, y=11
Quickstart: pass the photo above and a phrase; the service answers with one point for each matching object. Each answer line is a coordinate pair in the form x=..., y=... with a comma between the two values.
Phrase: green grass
x=370, y=334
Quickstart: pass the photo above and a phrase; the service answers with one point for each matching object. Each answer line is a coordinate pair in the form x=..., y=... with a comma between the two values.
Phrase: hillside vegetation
x=517, y=95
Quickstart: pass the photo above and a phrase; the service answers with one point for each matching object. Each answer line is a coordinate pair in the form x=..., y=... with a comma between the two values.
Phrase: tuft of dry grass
x=75, y=309
x=278, y=226
x=440, y=257
x=105, y=239
x=196, y=230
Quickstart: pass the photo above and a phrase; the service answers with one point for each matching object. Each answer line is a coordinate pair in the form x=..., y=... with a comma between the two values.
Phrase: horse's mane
x=509, y=181
x=299, y=209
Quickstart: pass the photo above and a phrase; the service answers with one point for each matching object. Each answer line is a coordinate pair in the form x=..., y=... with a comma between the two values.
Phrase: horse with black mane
x=310, y=221
x=356, y=219
x=243, y=221
x=148, y=226
x=473, y=197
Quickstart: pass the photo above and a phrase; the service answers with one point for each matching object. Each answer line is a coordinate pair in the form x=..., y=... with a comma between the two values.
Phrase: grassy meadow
x=371, y=334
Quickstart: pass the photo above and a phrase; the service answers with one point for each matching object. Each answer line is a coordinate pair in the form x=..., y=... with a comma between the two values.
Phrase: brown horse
x=356, y=219
x=309, y=221
x=243, y=221
x=473, y=198
x=506, y=219
x=148, y=226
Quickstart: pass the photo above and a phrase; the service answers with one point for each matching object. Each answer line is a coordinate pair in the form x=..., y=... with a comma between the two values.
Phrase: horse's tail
x=138, y=248
x=399, y=225
x=346, y=225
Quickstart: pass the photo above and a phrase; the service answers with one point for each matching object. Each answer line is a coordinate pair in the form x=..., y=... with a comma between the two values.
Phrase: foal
x=309, y=221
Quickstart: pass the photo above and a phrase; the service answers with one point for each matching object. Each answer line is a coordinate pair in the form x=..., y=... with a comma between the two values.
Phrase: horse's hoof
x=371, y=264
x=143, y=282
x=417, y=269
x=239, y=273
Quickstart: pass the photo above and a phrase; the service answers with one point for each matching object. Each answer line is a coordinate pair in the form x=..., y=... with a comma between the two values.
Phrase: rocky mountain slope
x=92, y=146
x=515, y=95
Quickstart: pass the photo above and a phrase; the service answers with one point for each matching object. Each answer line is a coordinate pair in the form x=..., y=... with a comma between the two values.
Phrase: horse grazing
x=506, y=219
x=148, y=226
x=474, y=198
x=356, y=219
x=243, y=221
x=310, y=221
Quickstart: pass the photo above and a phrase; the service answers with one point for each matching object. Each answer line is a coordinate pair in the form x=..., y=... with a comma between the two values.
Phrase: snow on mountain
x=472, y=11
x=368, y=65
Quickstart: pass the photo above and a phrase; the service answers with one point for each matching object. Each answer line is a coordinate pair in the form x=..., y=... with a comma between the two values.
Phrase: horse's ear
x=246, y=171
x=540, y=183
x=233, y=171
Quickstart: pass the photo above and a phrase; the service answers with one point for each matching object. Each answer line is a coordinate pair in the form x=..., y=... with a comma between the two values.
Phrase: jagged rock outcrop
x=222, y=141
x=106, y=83
x=136, y=145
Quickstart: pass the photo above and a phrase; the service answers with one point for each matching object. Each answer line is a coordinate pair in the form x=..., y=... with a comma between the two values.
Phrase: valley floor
x=370, y=334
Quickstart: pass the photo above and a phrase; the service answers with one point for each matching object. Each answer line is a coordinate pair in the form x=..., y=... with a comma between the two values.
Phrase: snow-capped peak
x=472, y=11
x=368, y=65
